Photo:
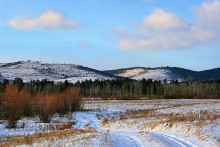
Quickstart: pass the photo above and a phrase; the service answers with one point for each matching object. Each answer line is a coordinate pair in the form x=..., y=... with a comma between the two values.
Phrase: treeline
x=36, y=98
x=130, y=89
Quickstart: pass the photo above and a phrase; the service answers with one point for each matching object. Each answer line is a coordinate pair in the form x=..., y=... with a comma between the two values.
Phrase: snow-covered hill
x=168, y=73
x=54, y=72
x=60, y=72
x=140, y=73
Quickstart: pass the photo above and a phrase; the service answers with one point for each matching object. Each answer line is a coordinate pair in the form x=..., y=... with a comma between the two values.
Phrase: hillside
x=168, y=73
x=60, y=72
x=54, y=72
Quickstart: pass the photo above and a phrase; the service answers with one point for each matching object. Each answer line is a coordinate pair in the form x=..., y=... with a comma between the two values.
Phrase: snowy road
x=172, y=141
x=128, y=138
x=119, y=140
x=131, y=139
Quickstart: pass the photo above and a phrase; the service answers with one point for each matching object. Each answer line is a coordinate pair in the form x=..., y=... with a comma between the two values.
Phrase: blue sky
x=110, y=34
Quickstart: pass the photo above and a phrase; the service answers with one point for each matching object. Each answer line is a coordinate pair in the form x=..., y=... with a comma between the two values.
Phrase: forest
x=131, y=89
x=46, y=98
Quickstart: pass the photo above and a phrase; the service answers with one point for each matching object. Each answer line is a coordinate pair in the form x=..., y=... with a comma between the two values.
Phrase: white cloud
x=208, y=17
x=202, y=34
x=160, y=20
x=163, y=30
x=160, y=42
x=48, y=20
x=209, y=11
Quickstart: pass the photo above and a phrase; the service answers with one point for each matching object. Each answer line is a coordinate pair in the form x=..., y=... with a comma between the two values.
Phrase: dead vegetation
x=20, y=140
x=201, y=117
x=192, y=122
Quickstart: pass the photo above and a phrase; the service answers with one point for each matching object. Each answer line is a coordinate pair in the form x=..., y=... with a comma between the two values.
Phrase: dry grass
x=14, y=141
x=149, y=112
x=152, y=125
x=198, y=117
x=194, y=120
x=105, y=121
x=170, y=117
x=65, y=126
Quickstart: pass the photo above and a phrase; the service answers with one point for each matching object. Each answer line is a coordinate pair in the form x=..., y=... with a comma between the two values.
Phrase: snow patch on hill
x=132, y=72
x=140, y=73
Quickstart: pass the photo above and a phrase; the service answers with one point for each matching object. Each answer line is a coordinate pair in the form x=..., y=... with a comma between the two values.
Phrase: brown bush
x=13, y=107
x=46, y=104
x=43, y=106
x=26, y=103
x=75, y=99
x=15, y=102
x=2, y=106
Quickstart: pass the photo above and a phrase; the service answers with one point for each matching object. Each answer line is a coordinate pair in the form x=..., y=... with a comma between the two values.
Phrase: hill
x=53, y=72
x=168, y=73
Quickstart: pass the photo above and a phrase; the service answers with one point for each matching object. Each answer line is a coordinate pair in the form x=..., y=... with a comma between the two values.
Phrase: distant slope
x=54, y=72
x=211, y=74
x=168, y=73
x=60, y=72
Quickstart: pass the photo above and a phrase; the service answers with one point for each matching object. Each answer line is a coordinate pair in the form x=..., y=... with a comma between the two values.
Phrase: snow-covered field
x=120, y=123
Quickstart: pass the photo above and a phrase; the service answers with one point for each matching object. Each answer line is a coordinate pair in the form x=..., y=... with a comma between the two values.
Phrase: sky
x=112, y=34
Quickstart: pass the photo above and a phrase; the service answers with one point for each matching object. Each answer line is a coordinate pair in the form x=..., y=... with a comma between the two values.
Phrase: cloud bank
x=163, y=30
x=47, y=20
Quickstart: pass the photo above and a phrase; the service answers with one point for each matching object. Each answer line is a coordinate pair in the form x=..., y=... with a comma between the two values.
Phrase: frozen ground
x=173, y=123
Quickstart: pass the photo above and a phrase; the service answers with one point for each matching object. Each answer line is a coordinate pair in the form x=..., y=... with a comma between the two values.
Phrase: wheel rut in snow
x=172, y=141
x=118, y=139
x=125, y=138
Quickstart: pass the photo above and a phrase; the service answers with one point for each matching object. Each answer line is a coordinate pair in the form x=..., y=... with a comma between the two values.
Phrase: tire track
x=172, y=141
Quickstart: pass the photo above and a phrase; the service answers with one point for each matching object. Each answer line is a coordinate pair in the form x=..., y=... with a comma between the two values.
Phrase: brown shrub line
x=17, y=103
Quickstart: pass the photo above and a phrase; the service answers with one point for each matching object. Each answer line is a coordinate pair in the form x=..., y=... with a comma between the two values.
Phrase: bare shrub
x=75, y=100
x=26, y=103
x=13, y=107
x=43, y=107
x=2, y=106
x=46, y=104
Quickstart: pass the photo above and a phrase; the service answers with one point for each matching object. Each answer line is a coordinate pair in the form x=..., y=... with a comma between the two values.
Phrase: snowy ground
x=174, y=123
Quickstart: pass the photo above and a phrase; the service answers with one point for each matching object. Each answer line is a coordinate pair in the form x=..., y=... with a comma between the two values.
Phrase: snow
x=140, y=73
x=172, y=140
x=91, y=119
x=180, y=134
x=132, y=72
x=104, y=116
x=124, y=105
x=53, y=72
x=30, y=126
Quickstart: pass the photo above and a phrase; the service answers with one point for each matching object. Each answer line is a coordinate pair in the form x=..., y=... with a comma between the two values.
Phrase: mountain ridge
x=172, y=73
x=35, y=70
